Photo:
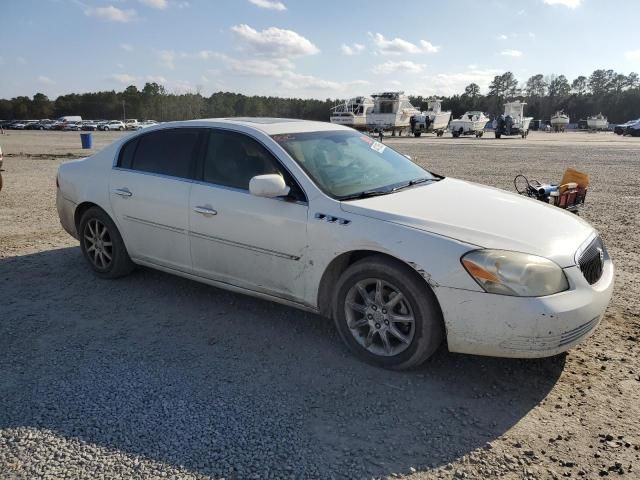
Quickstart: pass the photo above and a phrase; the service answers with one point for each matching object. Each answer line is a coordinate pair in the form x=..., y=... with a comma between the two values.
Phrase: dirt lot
x=156, y=376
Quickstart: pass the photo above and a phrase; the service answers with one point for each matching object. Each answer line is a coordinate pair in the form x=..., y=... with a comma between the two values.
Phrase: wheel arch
x=339, y=264
x=83, y=207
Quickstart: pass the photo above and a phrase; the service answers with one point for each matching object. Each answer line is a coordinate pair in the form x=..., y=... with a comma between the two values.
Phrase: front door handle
x=123, y=192
x=205, y=211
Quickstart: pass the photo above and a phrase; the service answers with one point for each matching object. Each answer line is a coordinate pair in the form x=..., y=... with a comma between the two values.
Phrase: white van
x=70, y=118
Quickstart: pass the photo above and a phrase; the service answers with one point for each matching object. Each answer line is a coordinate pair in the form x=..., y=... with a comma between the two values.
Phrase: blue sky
x=305, y=48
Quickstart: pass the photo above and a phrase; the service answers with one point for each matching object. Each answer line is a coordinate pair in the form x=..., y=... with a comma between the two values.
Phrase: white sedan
x=326, y=219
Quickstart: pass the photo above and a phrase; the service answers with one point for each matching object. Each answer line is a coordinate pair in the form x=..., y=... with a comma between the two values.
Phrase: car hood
x=483, y=216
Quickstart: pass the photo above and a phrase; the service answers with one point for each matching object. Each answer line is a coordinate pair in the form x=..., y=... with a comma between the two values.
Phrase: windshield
x=347, y=163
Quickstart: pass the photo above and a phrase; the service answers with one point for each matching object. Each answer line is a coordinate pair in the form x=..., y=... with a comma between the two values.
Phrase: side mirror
x=269, y=186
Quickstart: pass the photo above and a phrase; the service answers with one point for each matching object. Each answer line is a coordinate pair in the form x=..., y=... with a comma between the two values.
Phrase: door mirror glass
x=270, y=186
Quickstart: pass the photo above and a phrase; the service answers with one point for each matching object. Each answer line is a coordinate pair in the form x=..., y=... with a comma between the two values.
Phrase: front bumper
x=497, y=325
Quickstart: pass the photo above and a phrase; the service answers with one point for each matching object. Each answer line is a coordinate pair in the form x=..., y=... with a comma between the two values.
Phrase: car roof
x=270, y=126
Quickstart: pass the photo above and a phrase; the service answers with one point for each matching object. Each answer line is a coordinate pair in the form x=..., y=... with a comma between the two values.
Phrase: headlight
x=514, y=273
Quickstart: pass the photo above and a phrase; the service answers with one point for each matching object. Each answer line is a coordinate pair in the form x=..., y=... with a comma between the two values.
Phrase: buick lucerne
x=327, y=219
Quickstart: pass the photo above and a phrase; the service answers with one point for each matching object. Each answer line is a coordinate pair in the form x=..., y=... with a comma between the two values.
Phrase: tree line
x=614, y=94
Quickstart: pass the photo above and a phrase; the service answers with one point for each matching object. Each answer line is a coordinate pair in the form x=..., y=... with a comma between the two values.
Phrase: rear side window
x=169, y=152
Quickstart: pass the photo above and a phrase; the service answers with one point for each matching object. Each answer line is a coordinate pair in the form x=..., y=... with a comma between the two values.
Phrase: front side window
x=347, y=163
x=169, y=152
x=232, y=159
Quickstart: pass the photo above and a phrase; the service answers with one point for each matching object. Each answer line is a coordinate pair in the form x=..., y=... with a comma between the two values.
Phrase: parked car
x=57, y=125
x=621, y=128
x=323, y=218
x=633, y=130
x=145, y=124
x=112, y=125
x=75, y=126
x=89, y=125
x=131, y=124
x=18, y=125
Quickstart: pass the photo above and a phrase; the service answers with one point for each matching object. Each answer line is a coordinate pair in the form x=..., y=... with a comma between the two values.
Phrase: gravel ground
x=154, y=376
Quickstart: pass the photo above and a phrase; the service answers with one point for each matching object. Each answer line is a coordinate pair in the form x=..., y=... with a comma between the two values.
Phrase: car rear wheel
x=386, y=314
x=102, y=245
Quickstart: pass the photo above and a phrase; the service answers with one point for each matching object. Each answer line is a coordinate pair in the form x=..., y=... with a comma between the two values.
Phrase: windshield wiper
x=388, y=190
x=413, y=182
x=367, y=194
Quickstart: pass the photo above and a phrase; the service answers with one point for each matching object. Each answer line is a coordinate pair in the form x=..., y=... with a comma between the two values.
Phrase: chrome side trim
x=243, y=245
x=154, y=224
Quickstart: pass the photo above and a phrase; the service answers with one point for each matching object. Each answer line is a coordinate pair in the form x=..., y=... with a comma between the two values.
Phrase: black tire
x=455, y=134
x=106, y=129
x=121, y=129
x=0, y=182
x=120, y=263
x=497, y=135
x=428, y=331
x=417, y=134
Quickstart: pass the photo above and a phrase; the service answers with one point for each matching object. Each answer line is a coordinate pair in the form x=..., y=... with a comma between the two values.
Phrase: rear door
x=149, y=189
x=238, y=238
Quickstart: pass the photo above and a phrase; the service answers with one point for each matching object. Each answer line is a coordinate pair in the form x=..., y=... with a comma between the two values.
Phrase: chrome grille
x=591, y=261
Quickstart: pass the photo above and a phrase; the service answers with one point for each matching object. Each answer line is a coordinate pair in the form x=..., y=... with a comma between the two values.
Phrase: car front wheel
x=102, y=245
x=386, y=314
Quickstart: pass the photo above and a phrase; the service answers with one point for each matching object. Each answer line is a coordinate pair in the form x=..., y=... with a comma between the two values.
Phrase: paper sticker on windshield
x=378, y=147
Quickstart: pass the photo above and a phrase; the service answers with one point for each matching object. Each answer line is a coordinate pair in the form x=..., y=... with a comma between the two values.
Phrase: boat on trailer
x=352, y=113
x=471, y=123
x=433, y=120
x=512, y=121
x=391, y=111
x=598, y=122
x=559, y=121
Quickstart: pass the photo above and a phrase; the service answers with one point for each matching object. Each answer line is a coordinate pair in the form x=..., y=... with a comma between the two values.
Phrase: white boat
x=391, y=111
x=513, y=121
x=559, y=121
x=432, y=120
x=352, y=113
x=471, y=123
x=598, y=122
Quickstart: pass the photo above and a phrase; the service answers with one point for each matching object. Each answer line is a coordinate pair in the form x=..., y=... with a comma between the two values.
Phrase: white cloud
x=120, y=65
x=454, y=82
x=564, y=3
x=124, y=78
x=303, y=82
x=428, y=47
x=167, y=58
x=532, y=35
x=275, y=41
x=21, y=60
x=182, y=5
x=126, y=47
x=157, y=79
x=399, y=46
x=276, y=67
x=204, y=79
x=45, y=80
x=404, y=66
x=502, y=36
x=159, y=4
x=111, y=13
x=354, y=49
x=632, y=55
x=1, y=61
x=269, y=4
x=511, y=53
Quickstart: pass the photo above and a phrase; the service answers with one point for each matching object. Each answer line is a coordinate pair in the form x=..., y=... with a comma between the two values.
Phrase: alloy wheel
x=98, y=244
x=379, y=317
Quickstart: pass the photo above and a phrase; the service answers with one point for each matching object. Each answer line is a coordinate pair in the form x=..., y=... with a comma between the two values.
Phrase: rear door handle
x=123, y=192
x=205, y=211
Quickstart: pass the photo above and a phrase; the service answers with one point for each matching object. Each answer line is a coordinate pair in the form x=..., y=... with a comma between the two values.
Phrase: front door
x=252, y=242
